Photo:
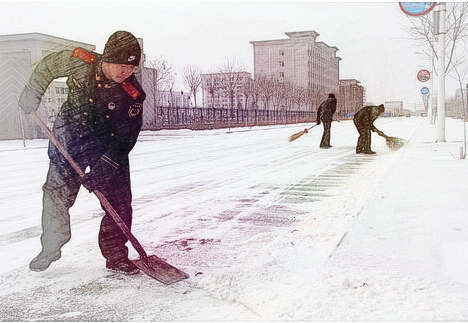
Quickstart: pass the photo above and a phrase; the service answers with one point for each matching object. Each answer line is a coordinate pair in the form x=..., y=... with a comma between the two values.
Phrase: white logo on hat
x=131, y=58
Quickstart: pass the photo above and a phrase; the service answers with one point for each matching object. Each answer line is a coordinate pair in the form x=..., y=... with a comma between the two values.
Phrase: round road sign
x=417, y=8
x=424, y=75
x=424, y=90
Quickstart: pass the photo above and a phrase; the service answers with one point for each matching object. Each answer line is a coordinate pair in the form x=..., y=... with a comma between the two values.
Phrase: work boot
x=369, y=152
x=126, y=267
x=43, y=260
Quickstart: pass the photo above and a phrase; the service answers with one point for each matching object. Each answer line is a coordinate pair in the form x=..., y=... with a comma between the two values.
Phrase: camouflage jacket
x=365, y=117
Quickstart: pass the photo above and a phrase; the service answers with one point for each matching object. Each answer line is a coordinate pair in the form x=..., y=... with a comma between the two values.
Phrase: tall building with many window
x=301, y=60
x=350, y=98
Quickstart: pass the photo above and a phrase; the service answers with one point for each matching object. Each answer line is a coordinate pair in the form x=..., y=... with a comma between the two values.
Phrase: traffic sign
x=424, y=90
x=424, y=75
x=417, y=8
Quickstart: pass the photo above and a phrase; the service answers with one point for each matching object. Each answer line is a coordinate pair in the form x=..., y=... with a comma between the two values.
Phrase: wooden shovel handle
x=107, y=206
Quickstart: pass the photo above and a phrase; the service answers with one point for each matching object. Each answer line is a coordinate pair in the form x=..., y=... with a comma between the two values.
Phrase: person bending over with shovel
x=364, y=122
x=98, y=125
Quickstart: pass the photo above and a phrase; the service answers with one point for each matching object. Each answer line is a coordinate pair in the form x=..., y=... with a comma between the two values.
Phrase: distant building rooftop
x=44, y=37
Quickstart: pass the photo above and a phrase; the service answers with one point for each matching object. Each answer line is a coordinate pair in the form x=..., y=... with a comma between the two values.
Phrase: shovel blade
x=160, y=270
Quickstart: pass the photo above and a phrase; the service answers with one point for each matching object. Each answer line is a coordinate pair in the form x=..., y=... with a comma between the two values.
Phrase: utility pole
x=440, y=124
x=465, y=106
x=433, y=95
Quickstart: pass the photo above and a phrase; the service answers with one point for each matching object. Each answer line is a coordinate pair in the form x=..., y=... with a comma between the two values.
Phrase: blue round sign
x=417, y=8
x=424, y=90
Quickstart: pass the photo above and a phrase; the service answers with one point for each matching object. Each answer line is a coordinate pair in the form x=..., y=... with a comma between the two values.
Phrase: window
x=62, y=90
x=57, y=90
x=282, y=74
x=281, y=52
x=281, y=63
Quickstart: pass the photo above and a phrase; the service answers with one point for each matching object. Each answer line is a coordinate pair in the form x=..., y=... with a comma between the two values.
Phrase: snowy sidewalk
x=401, y=257
x=406, y=258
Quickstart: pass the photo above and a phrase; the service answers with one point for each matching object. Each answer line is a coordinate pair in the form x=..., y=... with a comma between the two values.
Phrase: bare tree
x=300, y=97
x=160, y=72
x=310, y=98
x=276, y=97
x=267, y=89
x=192, y=78
x=247, y=91
x=461, y=76
x=255, y=93
x=170, y=86
x=210, y=83
x=421, y=30
x=287, y=93
x=231, y=80
x=163, y=70
x=316, y=97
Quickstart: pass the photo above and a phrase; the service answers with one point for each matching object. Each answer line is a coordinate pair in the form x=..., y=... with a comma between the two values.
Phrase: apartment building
x=301, y=60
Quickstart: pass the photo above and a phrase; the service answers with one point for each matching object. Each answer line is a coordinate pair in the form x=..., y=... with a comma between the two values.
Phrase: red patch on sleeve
x=130, y=89
x=84, y=55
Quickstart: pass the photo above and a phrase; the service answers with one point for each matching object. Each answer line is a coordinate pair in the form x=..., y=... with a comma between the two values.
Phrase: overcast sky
x=370, y=36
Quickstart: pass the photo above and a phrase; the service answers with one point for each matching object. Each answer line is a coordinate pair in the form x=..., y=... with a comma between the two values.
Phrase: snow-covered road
x=251, y=217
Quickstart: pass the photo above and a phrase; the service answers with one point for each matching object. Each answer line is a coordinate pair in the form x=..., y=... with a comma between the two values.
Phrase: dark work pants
x=60, y=191
x=364, y=140
x=325, y=142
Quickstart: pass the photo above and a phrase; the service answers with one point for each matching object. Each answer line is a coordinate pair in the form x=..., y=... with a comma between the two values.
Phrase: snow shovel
x=394, y=143
x=151, y=265
x=300, y=133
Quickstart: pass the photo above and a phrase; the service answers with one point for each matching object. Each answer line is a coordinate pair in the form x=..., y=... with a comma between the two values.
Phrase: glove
x=101, y=174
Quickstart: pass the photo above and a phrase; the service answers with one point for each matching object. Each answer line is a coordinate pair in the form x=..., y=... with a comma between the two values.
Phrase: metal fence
x=212, y=118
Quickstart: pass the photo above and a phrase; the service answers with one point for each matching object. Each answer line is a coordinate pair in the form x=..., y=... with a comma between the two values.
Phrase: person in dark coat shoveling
x=98, y=124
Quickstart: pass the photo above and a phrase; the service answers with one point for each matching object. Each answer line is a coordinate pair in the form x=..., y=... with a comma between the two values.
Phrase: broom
x=300, y=133
x=394, y=143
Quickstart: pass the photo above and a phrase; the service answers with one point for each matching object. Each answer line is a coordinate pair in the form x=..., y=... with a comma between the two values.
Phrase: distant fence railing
x=213, y=118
